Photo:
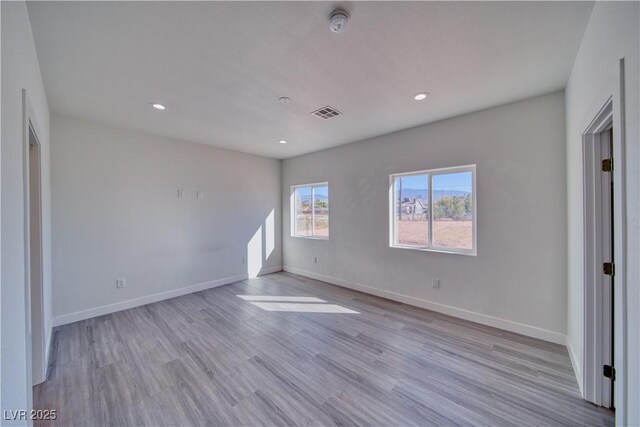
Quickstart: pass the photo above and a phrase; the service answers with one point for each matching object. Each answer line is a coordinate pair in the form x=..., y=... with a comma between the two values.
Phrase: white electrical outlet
x=180, y=194
x=200, y=195
x=435, y=283
x=119, y=283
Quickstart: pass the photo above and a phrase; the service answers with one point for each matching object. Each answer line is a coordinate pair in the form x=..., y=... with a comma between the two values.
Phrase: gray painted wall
x=518, y=278
x=116, y=214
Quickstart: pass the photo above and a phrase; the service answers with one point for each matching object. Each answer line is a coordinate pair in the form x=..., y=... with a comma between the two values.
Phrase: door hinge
x=607, y=165
x=609, y=372
x=609, y=268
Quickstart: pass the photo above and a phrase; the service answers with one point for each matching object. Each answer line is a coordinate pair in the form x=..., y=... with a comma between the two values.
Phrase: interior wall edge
x=576, y=364
x=20, y=71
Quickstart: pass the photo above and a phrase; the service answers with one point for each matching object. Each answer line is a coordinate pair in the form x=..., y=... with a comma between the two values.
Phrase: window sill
x=436, y=250
x=311, y=237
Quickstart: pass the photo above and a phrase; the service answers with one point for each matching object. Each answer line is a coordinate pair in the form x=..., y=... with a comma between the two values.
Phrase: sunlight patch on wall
x=254, y=254
x=270, y=234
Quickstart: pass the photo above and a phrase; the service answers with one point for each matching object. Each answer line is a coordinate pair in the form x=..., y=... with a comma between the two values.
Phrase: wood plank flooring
x=336, y=357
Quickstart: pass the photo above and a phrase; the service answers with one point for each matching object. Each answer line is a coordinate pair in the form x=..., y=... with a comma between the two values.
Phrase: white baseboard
x=507, y=325
x=270, y=270
x=148, y=299
x=576, y=366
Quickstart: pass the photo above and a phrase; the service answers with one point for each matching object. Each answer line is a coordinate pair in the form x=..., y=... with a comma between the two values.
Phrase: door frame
x=597, y=226
x=37, y=376
x=607, y=110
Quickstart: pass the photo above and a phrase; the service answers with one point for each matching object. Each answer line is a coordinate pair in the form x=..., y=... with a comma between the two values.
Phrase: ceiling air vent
x=326, y=112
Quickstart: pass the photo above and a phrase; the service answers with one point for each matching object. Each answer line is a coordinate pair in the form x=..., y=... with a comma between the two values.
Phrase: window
x=434, y=210
x=310, y=211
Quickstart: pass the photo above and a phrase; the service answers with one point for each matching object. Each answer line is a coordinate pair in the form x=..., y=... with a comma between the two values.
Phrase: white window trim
x=293, y=211
x=432, y=173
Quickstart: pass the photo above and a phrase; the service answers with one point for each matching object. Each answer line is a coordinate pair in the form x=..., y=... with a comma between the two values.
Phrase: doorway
x=599, y=198
x=34, y=254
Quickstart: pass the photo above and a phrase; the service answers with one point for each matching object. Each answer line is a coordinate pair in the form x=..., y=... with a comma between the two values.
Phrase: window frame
x=431, y=173
x=313, y=236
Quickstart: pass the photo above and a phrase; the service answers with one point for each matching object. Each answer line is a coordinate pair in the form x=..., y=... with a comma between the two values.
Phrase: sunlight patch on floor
x=295, y=304
x=303, y=307
x=279, y=298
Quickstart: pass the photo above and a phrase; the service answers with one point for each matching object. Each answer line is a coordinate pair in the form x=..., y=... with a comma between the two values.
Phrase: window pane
x=321, y=211
x=303, y=211
x=412, y=210
x=453, y=210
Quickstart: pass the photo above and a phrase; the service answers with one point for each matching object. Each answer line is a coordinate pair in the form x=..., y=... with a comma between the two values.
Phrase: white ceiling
x=221, y=67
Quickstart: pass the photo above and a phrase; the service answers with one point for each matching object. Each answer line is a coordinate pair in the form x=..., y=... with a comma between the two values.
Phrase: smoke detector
x=338, y=21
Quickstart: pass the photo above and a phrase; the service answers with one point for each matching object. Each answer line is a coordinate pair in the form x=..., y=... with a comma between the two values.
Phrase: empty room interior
x=320, y=213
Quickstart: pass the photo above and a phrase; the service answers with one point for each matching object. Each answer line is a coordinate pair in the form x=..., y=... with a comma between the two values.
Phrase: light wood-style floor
x=337, y=357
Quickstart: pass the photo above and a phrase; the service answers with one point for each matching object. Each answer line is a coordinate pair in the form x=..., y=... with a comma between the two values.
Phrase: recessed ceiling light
x=158, y=106
x=282, y=141
x=284, y=100
x=420, y=96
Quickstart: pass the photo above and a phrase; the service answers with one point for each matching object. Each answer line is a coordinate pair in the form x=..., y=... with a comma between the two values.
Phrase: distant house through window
x=434, y=210
x=310, y=211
